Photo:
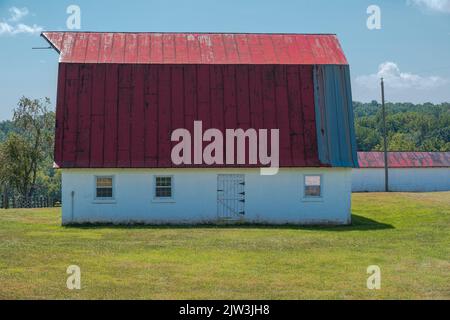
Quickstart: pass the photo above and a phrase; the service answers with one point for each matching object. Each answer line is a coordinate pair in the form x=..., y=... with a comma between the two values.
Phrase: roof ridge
x=192, y=32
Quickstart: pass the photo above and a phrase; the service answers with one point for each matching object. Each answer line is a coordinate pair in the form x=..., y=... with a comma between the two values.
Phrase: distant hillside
x=411, y=127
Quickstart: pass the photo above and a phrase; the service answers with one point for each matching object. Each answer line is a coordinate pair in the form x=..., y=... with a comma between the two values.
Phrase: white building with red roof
x=407, y=172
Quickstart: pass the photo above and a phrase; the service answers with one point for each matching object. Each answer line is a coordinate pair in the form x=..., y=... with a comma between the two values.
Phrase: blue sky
x=411, y=50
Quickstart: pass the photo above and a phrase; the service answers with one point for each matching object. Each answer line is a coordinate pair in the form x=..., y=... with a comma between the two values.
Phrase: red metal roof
x=196, y=48
x=404, y=159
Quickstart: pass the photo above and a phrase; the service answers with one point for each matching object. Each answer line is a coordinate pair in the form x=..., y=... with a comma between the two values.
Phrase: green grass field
x=406, y=235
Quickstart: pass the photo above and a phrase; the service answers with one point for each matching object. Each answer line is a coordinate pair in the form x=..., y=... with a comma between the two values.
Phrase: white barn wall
x=401, y=179
x=269, y=199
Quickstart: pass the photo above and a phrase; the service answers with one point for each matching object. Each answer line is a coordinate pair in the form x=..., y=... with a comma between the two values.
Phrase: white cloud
x=23, y=28
x=6, y=28
x=442, y=6
x=17, y=13
x=11, y=26
x=396, y=79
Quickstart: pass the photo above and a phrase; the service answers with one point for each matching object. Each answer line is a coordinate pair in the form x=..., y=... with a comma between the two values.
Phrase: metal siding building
x=121, y=95
x=408, y=171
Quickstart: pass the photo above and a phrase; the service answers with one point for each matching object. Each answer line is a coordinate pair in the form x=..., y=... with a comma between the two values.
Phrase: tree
x=24, y=151
x=411, y=127
x=15, y=164
x=399, y=142
x=366, y=138
x=5, y=128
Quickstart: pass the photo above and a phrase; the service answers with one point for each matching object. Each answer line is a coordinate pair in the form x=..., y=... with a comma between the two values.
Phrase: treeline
x=410, y=127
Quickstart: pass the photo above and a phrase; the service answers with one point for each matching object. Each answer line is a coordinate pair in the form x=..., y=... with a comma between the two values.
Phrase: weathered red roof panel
x=404, y=159
x=196, y=48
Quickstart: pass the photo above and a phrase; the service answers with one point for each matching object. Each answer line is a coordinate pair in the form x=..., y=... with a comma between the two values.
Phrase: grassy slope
x=407, y=235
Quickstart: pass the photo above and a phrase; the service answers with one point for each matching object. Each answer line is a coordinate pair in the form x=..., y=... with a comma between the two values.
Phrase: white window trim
x=312, y=198
x=105, y=200
x=163, y=199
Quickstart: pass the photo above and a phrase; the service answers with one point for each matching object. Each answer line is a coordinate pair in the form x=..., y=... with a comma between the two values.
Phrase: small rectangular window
x=313, y=186
x=163, y=187
x=104, y=187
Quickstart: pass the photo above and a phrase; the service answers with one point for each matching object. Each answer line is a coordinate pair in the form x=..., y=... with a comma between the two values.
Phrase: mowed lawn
x=406, y=235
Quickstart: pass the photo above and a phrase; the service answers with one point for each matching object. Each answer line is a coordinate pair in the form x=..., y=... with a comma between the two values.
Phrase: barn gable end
x=120, y=95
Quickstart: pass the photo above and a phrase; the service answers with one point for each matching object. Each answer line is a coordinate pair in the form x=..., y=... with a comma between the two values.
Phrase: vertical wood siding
x=122, y=115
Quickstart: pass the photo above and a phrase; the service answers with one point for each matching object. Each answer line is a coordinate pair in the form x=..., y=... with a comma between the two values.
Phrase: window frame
x=303, y=188
x=172, y=188
x=111, y=199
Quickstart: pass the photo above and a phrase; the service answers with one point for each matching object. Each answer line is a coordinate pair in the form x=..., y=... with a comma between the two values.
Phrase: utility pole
x=386, y=165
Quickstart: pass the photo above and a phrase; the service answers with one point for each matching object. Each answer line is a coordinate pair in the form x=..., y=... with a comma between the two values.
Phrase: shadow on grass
x=359, y=223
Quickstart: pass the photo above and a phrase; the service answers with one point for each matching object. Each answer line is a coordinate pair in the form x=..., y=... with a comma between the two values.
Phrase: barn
x=407, y=172
x=127, y=101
